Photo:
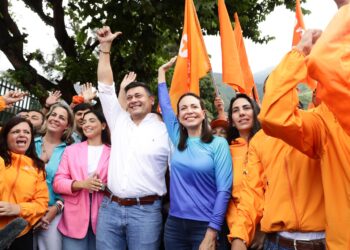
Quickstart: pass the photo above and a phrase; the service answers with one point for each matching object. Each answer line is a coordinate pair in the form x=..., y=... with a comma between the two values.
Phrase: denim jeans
x=87, y=243
x=183, y=234
x=135, y=227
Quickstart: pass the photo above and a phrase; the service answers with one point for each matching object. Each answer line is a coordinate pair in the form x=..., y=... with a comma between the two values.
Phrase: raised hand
x=128, y=78
x=13, y=96
x=105, y=35
x=52, y=98
x=164, y=68
x=87, y=92
x=219, y=104
x=308, y=40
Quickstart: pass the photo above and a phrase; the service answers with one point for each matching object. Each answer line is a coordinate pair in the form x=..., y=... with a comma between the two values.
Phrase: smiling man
x=130, y=214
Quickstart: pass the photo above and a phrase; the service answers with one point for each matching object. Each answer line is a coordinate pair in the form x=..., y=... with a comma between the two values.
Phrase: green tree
x=151, y=33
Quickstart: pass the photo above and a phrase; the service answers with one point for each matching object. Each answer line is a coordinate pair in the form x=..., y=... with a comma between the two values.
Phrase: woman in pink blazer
x=79, y=179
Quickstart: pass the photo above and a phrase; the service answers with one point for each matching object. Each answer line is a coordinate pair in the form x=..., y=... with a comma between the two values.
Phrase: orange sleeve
x=243, y=219
x=2, y=103
x=280, y=116
x=32, y=211
x=329, y=64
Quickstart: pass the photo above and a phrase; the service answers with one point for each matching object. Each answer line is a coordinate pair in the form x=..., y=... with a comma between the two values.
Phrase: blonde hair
x=66, y=136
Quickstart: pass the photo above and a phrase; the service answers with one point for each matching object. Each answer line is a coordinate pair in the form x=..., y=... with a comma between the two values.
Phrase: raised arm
x=279, y=115
x=168, y=113
x=128, y=78
x=329, y=64
x=110, y=105
x=220, y=108
x=10, y=97
x=104, y=69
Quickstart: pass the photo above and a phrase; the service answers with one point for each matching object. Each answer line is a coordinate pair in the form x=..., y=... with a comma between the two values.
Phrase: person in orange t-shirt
x=319, y=134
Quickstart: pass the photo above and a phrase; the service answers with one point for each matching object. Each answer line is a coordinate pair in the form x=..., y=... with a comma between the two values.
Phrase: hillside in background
x=227, y=92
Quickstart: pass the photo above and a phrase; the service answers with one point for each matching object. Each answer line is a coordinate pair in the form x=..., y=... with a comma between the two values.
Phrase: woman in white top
x=80, y=179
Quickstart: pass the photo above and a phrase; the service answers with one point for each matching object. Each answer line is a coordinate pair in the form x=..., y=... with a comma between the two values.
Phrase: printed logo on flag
x=183, y=51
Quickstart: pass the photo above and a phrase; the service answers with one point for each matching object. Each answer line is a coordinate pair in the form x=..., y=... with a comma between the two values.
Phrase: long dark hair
x=233, y=132
x=206, y=135
x=105, y=134
x=31, y=152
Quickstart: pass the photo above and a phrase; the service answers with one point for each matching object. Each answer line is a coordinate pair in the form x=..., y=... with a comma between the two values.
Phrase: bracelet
x=59, y=205
x=104, y=52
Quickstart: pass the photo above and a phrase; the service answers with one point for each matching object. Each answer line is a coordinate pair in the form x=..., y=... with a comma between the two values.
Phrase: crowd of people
x=267, y=177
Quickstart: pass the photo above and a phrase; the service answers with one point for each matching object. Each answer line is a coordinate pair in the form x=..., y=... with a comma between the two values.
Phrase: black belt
x=146, y=200
x=297, y=244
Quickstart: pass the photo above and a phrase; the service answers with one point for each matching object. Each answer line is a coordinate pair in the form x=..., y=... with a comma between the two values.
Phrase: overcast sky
x=279, y=24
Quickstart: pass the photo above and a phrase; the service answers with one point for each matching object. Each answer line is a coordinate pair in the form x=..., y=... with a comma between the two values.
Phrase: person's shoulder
x=219, y=140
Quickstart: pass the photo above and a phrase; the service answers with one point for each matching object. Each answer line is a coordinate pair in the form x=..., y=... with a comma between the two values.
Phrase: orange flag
x=247, y=72
x=192, y=62
x=231, y=70
x=299, y=30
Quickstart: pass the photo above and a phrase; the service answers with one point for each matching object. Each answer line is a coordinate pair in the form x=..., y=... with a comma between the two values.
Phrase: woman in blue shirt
x=58, y=129
x=200, y=176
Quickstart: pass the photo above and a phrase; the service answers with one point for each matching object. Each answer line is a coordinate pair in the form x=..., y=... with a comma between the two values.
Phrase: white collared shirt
x=139, y=153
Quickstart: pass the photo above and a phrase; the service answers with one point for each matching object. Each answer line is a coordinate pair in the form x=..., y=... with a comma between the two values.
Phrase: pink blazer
x=74, y=222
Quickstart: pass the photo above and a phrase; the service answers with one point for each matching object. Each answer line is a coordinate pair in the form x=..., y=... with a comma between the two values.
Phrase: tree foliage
x=151, y=34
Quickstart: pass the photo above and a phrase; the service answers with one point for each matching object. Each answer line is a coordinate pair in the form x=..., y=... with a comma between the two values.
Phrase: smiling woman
x=81, y=181
x=57, y=134
x=200, y=176
x=23, y=190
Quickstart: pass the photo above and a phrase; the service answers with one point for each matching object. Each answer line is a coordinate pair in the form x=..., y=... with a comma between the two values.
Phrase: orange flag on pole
x=299, y=30
x=192, y=62
x=231, y=69
x=247, y=72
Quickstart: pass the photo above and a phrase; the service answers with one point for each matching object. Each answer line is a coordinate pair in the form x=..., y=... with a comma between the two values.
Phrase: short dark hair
x=38, y=111
x=233, y=132
x=82, y=106
x=206, y=135
x=22, y=110
x=31, y=152
x=138, y=84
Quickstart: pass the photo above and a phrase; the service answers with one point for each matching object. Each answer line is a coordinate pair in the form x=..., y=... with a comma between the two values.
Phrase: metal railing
x=29, y=102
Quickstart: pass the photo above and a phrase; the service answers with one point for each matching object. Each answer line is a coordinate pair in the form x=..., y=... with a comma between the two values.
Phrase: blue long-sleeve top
x=200, y=176
x=51, y=167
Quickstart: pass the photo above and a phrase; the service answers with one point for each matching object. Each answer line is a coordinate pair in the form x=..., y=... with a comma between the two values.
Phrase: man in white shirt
x=130, y=214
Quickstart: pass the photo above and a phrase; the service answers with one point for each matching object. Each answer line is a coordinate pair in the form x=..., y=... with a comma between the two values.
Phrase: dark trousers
x=25, y=242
